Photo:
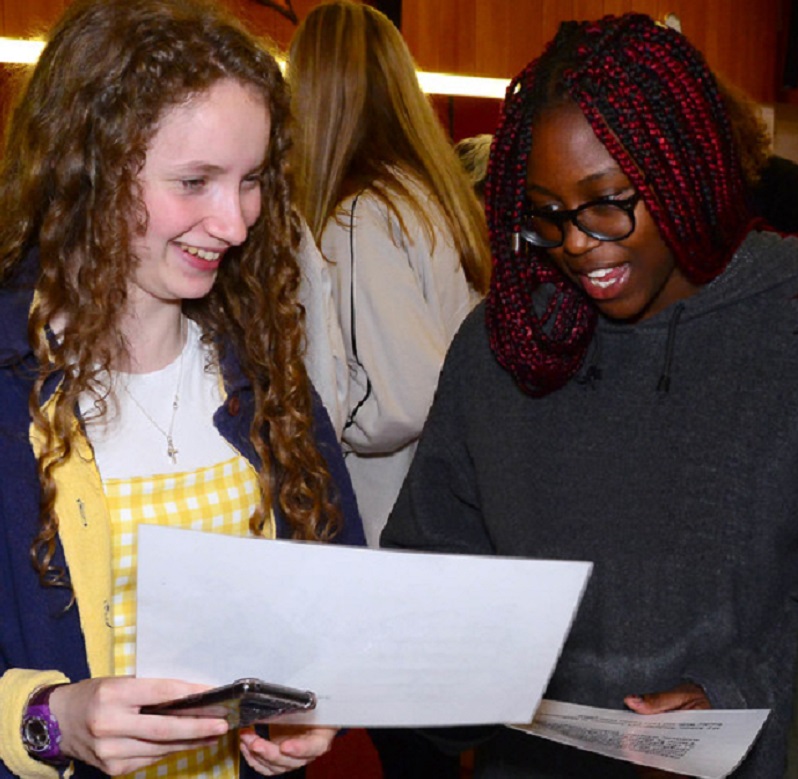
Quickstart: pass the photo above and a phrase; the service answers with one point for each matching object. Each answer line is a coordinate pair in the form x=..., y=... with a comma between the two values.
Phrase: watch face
x=36, y=734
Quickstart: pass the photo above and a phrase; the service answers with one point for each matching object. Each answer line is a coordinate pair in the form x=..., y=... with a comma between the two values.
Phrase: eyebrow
x=195, y=166
x=205, y=168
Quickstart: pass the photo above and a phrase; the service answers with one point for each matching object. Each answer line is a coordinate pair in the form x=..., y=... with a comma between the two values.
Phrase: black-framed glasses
x=605, y=220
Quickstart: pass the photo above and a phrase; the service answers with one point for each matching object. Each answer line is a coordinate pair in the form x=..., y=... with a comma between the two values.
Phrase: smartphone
x=244, y=702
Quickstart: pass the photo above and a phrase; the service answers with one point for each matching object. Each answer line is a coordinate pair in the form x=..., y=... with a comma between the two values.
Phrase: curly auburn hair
x=653, y=102
x=76, y=142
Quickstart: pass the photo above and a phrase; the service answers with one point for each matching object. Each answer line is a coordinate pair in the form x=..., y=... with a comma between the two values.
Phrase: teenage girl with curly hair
x=151, y=347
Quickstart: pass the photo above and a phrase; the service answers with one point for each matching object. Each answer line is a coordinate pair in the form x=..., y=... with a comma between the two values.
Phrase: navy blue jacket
x=37, y=630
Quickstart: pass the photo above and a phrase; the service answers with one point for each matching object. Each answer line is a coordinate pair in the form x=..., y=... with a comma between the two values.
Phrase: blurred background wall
x=753, y=43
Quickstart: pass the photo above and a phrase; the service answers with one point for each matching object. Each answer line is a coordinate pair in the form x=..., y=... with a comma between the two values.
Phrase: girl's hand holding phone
x=101, y=723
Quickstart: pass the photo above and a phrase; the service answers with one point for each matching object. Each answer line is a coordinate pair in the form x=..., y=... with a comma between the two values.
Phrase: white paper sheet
x=382, y=638
x=707, y=744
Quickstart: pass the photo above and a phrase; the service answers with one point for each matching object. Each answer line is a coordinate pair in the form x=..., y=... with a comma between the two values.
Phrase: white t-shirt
x=127, y=443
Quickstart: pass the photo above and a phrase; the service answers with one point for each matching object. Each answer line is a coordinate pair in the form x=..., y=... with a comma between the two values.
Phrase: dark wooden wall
x=743, y=39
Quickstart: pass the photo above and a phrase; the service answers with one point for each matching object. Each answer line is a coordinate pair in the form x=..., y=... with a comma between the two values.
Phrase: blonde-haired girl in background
x=393, y=211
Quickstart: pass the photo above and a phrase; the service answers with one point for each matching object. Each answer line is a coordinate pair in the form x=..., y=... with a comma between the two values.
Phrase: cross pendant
x=171, y=452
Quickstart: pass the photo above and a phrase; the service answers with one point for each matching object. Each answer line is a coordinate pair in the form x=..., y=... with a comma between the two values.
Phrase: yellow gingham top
x=219, y=499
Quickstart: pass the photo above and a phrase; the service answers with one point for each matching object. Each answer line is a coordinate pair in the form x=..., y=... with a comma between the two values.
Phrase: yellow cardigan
x=84, y=530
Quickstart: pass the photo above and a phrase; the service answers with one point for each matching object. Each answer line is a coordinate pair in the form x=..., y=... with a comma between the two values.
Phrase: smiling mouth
x=603, y=277
x=604, y=283
x=202, y=254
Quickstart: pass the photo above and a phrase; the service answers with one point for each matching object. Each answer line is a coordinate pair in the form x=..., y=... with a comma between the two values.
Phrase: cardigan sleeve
x=16, y=687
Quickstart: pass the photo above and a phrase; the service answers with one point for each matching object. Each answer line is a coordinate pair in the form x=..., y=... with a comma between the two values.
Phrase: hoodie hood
x=763, y=262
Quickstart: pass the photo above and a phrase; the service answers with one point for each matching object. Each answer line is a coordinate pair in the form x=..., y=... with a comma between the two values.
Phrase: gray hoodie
x=671, y=463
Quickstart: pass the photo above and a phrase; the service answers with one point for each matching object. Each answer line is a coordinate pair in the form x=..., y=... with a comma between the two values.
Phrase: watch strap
x=41, y=733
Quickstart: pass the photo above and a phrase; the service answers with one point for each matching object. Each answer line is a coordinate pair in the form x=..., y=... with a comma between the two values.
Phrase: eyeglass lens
x=604, y=221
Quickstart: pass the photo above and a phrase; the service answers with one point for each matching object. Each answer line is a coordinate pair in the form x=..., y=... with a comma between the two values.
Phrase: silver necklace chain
x=171, y=450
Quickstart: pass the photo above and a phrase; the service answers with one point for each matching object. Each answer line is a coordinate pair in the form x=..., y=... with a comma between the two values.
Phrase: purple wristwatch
x=40, y=732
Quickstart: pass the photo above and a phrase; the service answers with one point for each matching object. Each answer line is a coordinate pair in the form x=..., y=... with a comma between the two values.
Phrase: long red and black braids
x=653, y=102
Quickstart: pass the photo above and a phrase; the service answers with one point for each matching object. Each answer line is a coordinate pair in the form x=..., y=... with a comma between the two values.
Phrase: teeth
x=202, y=253
x=602, y=278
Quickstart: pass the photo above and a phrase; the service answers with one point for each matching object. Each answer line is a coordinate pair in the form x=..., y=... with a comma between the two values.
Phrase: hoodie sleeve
x=438, y=508
x=750, y=676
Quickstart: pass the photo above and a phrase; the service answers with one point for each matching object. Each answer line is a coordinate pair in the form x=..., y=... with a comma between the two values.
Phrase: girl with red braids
x=627, y=394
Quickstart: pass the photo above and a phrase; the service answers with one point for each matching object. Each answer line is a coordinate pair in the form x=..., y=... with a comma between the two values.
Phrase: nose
x=229, y=219
x=576, y=241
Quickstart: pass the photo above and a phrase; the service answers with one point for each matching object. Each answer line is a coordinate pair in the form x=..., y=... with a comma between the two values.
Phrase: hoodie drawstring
x=592, y=374
x=664, y=383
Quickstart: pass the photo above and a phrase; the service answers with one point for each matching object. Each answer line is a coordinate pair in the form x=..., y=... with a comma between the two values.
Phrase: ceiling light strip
x=467, y=86
x=16, y=50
